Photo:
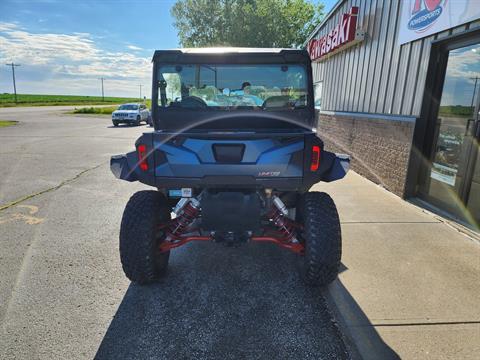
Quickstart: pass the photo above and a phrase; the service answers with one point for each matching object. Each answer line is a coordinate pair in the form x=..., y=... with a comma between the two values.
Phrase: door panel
x=473, y=203
x=453, y=180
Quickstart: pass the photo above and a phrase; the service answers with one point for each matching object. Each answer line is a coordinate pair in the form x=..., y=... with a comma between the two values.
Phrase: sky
x=65, y=47
x=463, y=68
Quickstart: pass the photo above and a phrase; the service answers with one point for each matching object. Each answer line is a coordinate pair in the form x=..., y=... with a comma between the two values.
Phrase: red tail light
x=315, y=160
x=142, y=157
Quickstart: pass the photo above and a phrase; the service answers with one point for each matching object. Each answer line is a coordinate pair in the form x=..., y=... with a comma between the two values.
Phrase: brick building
x=397, y=85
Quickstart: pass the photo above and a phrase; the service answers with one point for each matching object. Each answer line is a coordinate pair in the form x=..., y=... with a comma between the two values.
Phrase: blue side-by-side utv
x=232, y=157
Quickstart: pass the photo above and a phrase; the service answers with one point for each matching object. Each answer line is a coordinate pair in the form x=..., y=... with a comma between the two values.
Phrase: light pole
x=13, y=75
x=140, y=91
x=474, y=90
x=103, y=96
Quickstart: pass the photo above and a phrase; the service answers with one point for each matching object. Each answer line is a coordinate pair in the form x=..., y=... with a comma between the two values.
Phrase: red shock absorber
x=278, y=216
x=185, y=218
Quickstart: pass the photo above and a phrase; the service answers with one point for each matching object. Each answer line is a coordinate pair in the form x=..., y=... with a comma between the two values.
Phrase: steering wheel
x=193, y=102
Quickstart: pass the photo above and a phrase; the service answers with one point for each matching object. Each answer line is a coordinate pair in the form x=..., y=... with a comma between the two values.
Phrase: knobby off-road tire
x=115, y=123
x=323, y=239
x=140, y=237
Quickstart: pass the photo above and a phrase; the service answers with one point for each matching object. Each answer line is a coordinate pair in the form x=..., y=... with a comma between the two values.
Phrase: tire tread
x=138, y=242
x=323, y=239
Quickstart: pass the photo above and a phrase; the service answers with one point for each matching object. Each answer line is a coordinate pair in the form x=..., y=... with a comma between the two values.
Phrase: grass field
x=107, y=110
x=98, y=110
x=5, y=123
x=8, y=100
x=456, y=111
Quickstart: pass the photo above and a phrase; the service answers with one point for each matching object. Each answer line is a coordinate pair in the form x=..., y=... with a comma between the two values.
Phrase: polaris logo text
x=425, y=13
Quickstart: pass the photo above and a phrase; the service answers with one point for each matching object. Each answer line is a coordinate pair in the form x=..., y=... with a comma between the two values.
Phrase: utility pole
x=474, y=90
x=103, y=95
x=140, y=91
x=13, y=74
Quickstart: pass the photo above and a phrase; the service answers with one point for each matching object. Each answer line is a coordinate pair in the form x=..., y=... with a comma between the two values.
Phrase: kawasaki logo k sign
x=421, y=18
x=342, y=36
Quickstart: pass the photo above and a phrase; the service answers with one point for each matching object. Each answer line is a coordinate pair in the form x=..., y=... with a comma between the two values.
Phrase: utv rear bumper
x=333, y=167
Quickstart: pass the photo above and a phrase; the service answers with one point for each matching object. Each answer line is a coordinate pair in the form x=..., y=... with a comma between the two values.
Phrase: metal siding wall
x=402, y=72
x=343, y=81
x=392, y=77
x=331, y=68
x=459, y=29
x=377, y=75
x=354, y=54
x=371, y=72
x=474, y=24
x=381, y=53
x=362, y=24
x=412, y=78
x=339, y=80
x=367, y=59
x=387, y=60
x=424, y=57
x=342, y=73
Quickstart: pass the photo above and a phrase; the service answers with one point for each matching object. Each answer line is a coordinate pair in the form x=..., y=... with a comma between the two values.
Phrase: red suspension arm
x=295, y=247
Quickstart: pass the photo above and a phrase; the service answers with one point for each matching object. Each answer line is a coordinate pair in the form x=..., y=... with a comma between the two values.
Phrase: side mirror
x=226, y=91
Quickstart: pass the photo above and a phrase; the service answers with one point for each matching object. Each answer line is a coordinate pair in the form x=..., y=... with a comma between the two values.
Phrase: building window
x=317, y=93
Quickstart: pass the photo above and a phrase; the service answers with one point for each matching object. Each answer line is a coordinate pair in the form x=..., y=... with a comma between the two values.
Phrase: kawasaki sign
x=342, y=36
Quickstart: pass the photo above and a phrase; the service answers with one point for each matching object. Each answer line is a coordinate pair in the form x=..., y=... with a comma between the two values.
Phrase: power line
x=13, y=75
x=103, y=95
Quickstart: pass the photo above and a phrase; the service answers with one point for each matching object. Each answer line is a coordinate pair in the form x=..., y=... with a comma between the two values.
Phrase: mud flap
x=339, y=168
x=121, y=169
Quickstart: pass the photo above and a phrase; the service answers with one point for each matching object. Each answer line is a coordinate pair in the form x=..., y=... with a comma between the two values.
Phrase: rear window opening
x=232, y=87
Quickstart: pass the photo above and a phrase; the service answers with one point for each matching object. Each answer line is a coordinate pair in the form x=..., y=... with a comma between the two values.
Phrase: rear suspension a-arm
x=295, y=247
x=177, y=232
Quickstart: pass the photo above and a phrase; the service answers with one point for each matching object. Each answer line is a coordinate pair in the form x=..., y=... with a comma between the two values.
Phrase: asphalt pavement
x=62, y=291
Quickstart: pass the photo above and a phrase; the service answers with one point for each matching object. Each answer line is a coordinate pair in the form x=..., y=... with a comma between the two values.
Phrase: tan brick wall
x=379, y=148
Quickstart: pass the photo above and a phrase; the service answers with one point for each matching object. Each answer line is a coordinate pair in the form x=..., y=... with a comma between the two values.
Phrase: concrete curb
x=347, y=337
x=359, y=335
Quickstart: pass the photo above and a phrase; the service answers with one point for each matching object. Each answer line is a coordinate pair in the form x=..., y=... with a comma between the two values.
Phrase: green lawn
x=7, y=100
x=96, y=110
x=5, y=123
x=107, y=110
x=456, y=111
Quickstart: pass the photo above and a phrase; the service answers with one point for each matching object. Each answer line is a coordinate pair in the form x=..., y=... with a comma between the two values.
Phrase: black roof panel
x=231, y=55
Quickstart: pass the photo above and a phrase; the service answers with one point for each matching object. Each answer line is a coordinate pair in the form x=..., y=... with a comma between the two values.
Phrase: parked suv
x=233, y=156
x=131, y=114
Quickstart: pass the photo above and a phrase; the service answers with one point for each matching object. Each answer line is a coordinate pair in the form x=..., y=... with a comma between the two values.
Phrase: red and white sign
x=421, y=18
x=337, y=39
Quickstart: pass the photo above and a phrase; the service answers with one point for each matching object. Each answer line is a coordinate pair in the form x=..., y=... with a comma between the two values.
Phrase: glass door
x=472, y=192
x=453, y=181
